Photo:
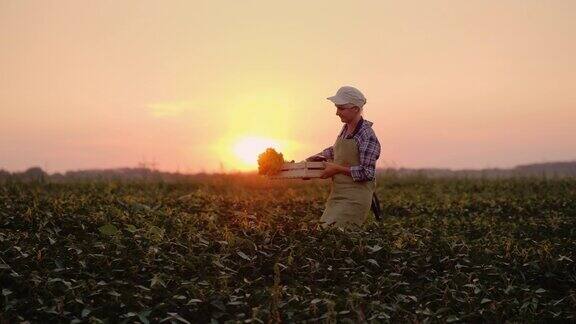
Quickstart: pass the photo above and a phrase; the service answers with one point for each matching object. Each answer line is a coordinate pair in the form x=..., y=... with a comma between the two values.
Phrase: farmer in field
x=351, y=163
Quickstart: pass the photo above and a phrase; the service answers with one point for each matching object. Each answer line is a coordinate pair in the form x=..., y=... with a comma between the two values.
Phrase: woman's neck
x=351, y=126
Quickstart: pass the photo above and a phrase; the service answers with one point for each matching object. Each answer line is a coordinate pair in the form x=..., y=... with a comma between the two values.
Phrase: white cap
x=348, y=94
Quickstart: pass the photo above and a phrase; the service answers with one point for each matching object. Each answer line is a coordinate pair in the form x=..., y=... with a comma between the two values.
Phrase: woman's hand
x=316, y=158
x=331, y=169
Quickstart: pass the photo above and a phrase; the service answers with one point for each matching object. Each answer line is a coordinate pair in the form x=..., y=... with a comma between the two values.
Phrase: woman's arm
x=369, y=149
x=331, y=169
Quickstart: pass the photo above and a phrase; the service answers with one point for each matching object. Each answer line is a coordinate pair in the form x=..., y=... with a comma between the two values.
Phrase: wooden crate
x=300, y=170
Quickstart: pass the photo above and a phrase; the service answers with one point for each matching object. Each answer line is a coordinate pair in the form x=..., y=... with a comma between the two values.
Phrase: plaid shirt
x=368, y=147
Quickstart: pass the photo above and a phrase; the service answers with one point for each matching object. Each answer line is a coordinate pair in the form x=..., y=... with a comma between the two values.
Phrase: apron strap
x=376, y=206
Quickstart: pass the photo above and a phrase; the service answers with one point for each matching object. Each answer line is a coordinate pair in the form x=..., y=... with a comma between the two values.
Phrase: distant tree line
x=36, y=174
x=33, y=174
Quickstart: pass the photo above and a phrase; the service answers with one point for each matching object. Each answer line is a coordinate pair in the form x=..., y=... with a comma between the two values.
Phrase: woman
x=351, y=162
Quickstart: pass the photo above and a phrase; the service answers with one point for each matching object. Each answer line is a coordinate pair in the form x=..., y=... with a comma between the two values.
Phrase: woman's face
x=347, y=112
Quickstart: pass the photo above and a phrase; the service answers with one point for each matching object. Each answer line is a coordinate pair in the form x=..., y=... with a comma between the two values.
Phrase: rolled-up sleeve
x=328, y=153
x=369, y=151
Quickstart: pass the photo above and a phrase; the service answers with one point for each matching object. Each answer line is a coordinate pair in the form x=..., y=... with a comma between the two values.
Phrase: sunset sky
x=204, y=85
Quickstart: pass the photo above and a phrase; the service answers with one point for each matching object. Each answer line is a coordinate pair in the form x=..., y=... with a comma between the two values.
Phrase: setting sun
x=240, y=152
x=248, y=148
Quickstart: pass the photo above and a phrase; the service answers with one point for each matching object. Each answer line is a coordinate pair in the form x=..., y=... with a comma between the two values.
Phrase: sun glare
x=248, y=148
x=256, y=118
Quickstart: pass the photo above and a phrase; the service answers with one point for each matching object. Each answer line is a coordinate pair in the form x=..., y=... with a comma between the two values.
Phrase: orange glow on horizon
x=248, y=148
x=240, y=153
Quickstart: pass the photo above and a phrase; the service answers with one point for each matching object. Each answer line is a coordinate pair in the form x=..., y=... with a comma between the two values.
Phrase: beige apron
x=349, y=201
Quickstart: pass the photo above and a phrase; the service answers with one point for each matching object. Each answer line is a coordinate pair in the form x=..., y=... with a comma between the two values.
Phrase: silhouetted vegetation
x=144, y=174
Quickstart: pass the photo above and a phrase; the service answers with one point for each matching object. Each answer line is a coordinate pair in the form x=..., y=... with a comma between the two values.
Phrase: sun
x=248, y=148
x=240, y=152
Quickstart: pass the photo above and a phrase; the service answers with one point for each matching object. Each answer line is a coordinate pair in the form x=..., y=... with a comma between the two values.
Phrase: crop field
x=241, y=248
